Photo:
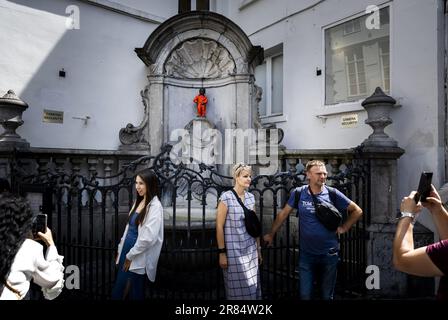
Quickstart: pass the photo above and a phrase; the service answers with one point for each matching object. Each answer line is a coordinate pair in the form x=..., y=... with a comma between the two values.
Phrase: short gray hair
x=314, y=163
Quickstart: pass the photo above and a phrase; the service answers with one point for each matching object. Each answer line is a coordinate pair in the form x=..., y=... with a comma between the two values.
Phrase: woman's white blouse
x=30, y=264
x=145, y=253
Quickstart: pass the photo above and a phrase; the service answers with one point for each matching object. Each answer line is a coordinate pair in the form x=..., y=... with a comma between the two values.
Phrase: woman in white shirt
x=22, y=258
x=140, y=246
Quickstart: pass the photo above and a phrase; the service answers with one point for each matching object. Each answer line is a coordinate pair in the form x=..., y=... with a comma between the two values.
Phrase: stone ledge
x=77, y=152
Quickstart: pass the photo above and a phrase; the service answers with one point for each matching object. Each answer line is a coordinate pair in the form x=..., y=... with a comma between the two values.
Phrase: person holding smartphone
x=426, y=261
x=22, y=258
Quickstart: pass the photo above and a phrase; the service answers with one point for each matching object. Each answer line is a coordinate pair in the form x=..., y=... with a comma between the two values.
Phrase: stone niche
x=185, y=53
x=189, y=51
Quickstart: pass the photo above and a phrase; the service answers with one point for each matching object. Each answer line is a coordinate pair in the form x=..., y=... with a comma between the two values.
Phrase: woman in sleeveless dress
x=239, y=252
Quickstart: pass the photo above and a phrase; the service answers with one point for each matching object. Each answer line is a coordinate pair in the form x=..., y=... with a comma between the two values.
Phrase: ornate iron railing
x=87, y=213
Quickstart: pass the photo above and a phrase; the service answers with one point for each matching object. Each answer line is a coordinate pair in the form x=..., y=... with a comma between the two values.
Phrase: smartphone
x=424, y=187
x=40, y=224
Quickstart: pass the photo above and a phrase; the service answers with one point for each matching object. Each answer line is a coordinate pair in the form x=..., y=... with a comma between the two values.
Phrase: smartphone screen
x=40, y=224
x=424, y=187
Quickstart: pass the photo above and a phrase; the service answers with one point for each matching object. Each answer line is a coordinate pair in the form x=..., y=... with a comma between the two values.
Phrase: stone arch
x=199, y=24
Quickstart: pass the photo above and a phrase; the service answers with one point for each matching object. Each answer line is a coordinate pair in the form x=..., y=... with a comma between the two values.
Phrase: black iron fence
x=87, y=214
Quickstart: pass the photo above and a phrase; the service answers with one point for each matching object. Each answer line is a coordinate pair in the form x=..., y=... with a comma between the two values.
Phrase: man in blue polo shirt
x=319, y=247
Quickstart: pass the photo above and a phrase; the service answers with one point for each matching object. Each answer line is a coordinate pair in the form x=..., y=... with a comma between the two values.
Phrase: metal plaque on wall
x=53, y=116
x=349, y=120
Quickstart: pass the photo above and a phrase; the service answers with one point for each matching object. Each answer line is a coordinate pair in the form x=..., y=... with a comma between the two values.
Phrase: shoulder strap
x=332, y=193
x=238, y=199
x=297, y=195
x=313, y=196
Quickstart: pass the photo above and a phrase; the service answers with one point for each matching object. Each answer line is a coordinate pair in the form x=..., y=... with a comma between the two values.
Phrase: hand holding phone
x=424, y=187
x=40, y=224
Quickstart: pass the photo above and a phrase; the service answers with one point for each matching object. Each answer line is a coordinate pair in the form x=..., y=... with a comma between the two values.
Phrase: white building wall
x=103, y=74
x=417, y=70
x=161, y=8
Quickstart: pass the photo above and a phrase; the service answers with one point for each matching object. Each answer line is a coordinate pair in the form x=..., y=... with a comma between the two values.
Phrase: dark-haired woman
x=139, y=248
x=21, y=258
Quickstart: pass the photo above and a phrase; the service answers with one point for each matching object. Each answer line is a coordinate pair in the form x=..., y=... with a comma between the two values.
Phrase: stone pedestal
x=202, y=144
x=393, y=283
x=382, y=153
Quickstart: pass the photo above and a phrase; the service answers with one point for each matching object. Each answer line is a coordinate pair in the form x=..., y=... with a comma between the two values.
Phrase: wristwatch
x=407, y=215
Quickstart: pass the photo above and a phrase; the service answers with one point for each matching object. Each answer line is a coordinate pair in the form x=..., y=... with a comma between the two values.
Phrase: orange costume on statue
x=201, y=100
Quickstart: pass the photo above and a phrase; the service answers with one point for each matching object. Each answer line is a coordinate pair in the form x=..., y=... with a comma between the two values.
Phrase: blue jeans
x=322, y=268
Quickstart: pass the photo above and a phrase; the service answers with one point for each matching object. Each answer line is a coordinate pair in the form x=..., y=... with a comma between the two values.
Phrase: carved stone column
x=155, y=128
x=93, y=171
x=43, y=165
x=110, y=197
x=381, y=153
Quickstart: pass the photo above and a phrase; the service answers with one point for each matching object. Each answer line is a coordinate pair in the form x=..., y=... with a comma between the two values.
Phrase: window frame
x=269, y=68
x=355, y=62
x=350, y=106
x=346, y=33
x=381, y=59
x=192, y=5
x=267, y=93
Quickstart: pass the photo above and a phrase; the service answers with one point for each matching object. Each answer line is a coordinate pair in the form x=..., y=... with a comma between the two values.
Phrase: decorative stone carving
x=132, y=135
x=257, y=121
x=200, y=58
x=257, y=96
x=378, y=107
x=11, y=109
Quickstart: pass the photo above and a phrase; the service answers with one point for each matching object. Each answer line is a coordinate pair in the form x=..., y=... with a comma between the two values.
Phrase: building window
x=184, y=6
x=385, y=65
x=203, y=5
x=352, y=26
x=356, y=76
x=188, y=5
x=269, y=76
x=356, y=59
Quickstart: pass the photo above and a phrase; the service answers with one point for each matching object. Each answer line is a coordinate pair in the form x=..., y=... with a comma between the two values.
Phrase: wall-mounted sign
x=349, y=120
x=53, y=116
